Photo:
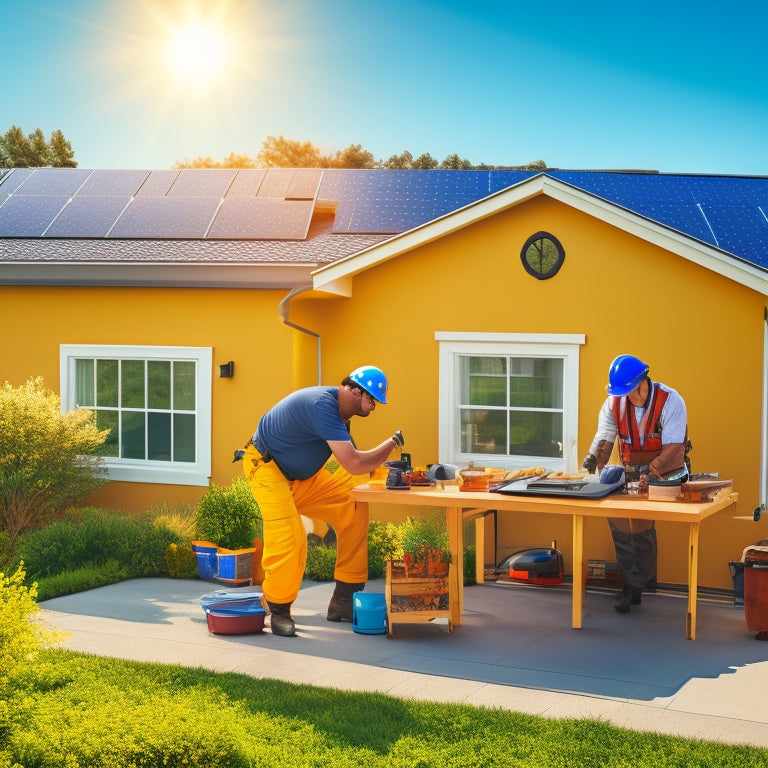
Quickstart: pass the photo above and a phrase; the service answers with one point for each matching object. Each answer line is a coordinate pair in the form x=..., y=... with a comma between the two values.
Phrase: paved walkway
x=515, y=650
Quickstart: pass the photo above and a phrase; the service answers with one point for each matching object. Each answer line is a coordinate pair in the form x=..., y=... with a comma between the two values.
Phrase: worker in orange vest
x=650, y=421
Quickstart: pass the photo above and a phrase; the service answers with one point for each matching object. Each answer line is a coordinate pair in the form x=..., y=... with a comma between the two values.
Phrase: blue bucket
x=369, y=613
x=206, y=564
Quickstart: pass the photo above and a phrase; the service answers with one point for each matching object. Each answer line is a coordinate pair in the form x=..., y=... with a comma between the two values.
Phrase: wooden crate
x=415, y=599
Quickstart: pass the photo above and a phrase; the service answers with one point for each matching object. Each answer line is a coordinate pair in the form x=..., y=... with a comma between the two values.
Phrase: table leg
x=480, y=550
x=693, y=581
x=578, y=571
x=453, y=522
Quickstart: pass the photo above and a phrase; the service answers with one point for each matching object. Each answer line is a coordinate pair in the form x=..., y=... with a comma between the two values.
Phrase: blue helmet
x=372, y=380
x=625, y=373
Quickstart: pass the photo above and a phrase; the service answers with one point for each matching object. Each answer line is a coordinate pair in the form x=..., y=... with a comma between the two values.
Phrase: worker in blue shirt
x=302, y=460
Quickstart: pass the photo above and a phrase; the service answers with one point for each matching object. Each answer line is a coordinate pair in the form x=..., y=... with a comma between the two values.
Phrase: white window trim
x=131, y=470
x=566, y=346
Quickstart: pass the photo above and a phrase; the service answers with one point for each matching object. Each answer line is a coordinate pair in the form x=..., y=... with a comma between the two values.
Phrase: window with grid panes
x=155, y=402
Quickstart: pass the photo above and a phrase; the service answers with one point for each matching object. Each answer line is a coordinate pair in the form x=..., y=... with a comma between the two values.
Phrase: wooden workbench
x=460, y=505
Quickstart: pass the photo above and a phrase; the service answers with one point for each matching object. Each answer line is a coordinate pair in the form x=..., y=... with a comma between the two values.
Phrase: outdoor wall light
x=227, y=370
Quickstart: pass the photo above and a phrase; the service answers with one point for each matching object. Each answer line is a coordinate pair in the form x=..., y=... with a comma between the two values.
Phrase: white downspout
x=764, y=420
x=284, y=309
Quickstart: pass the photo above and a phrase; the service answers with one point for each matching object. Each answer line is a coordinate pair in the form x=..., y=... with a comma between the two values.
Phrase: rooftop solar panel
x=246, y=183
x=157, y=184
x=29, y=216
x=740, y=230
x=166, y=217
x=87, y=217
x=304, y=184
x=246, y=218
x=276, y=182
x=202, y=182
x=54, y=181
x=11, y=180
x=113, y=183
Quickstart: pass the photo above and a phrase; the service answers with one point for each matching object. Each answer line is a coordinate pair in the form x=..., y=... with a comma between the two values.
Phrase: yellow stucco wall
x=239, y=325
x=700, y=333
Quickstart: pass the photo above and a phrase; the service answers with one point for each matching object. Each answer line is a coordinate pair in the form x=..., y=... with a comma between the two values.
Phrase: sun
x=196, y=54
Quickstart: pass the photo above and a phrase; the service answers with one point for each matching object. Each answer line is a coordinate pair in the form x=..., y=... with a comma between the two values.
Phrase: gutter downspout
x=284, y=309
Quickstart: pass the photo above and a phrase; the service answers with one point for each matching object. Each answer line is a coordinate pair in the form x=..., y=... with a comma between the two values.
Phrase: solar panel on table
x=113, y=183
x=87, y=217
x=53, y=181
x=29, y=215
x=202, y=182
x=248, y=218
x=246, y=183
x=166, y=217
x=157, y=184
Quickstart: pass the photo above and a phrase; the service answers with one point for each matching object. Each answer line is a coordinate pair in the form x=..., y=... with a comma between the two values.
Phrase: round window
x=542, y=255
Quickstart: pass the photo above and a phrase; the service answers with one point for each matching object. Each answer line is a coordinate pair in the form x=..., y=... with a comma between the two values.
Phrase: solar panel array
x=195, y=203
x=730, y=213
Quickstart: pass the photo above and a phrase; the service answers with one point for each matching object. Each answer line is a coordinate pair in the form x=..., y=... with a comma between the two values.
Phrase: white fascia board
x=265, y=276
x=337, y=277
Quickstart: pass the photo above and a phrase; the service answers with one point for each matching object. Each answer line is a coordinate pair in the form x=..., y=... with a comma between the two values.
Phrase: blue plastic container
x=206, y=564
x=369, y=613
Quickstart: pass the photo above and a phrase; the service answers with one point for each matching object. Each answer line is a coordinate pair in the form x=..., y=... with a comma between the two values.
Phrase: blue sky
x=674, y=86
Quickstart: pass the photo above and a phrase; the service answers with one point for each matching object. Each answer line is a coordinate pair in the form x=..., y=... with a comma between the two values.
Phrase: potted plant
x=229, y=517
x=425, y=546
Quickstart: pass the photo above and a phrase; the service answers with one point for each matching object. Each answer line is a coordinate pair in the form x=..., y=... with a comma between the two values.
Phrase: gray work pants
x=636, y=550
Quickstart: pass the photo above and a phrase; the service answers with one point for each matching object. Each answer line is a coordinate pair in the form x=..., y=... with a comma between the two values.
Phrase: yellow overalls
x=324, y=496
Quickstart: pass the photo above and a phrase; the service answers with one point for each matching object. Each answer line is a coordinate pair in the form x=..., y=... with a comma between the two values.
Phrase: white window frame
x=454, y=345
x=146, y=471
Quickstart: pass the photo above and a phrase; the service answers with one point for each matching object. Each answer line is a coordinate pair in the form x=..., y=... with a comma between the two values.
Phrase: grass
x=75, y=710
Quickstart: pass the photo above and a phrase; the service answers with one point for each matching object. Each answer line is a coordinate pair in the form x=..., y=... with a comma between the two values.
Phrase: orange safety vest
x=639, y=443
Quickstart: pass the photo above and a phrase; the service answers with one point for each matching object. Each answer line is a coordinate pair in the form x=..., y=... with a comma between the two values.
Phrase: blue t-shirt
x=295, y=431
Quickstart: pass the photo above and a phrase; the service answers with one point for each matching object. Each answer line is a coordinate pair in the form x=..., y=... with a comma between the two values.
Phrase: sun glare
x=196, y=54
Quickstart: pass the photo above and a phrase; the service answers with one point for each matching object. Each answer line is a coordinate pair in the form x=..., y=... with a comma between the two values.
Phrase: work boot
x=629, y=597
x=340, y=607
x=281, y=622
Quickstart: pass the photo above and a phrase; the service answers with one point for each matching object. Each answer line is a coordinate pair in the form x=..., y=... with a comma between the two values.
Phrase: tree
x=61, y=153
x=279, y=152
x=33, y=151
x=455, y=163
x=15, y=148
x=425, y=162
x=354, y=156
x=47, y=459
x=400, y=162
x=39, y=151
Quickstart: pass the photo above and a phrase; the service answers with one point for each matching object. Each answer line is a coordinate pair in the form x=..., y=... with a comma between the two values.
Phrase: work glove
x=399, y=439
x=590, y=463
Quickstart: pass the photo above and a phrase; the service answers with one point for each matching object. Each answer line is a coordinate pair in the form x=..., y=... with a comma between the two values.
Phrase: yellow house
x=182, y=304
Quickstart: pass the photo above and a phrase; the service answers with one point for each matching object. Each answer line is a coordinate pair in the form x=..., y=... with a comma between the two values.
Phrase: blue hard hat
x=625, y=373
x=372, y=380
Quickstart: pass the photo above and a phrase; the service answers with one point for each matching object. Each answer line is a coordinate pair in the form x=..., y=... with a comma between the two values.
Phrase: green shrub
x=470, y=558
x=229, y=515
x=21, y=637
x=383, y=544
x=180, y=561
x=181, y=519
x=81, y=579
x=93, y=537
x=47, y=459
x=321, y=562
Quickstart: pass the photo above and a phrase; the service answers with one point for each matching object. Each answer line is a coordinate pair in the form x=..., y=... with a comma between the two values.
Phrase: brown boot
x=340, y=607
x=281, y=622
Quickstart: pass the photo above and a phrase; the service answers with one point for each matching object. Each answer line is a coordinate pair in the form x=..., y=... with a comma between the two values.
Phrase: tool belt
x=266, y=457
x=633, y=471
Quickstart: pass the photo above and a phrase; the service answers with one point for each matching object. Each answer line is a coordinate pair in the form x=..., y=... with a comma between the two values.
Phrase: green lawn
x=71, y=710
